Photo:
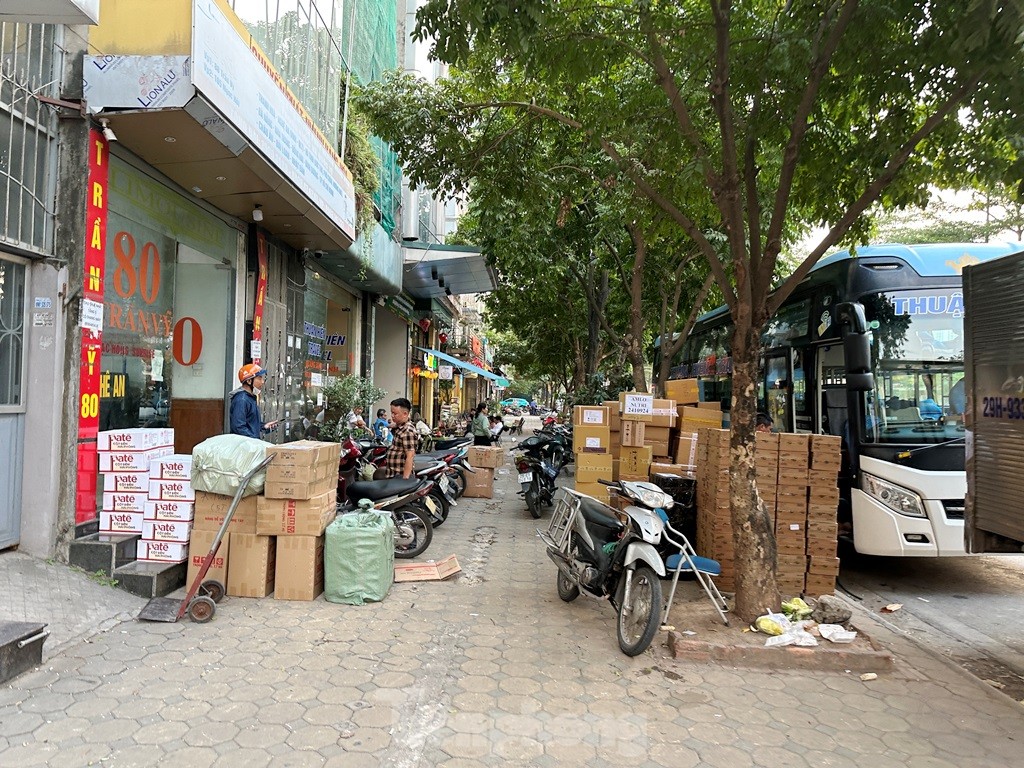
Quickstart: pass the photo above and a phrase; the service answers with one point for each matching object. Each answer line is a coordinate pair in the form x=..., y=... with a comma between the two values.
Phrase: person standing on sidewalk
x=402, y=452
x=481, y=428
x=246, y=418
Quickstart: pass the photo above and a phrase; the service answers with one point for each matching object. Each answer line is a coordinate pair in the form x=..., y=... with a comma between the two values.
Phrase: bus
x=903, y=484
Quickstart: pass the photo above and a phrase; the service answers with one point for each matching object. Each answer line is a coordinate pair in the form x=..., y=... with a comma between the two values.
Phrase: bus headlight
x=895, y=497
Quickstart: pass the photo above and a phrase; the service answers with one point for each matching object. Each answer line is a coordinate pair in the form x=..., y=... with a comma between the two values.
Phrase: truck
x=994, y=412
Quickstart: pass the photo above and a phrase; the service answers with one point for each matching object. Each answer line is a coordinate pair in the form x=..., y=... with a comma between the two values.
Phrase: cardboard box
x=793, y=443
x=126, y=482
x=308, y=474
x=614, y=420
x=199, y=544
x=170, y=510
x=304, y=453
x=177, y=466
x=479, y=484
x=591, y=415
x=171, y=490
x=120, y=522
x=632, y=434
x=166, y=530
x=299, y=571
x=686, y=449
x=663, y=414
x=487, y=457
x=131, y=461
x=824, y=566
x=161, y=551
x=292, y=489
x=429, y=571
x=712, y=406
x=707, y=417
x=591, y=467
x=210, y=509
x=124, y=502
x=635, y=462
x=816, y=585
x=657, y=439
x=587, y=439
x=596, y=490
x=251, y=565
x=295, y=517
x=636, y=406
x=683, y=391
x=140, y=439
x=676, y=470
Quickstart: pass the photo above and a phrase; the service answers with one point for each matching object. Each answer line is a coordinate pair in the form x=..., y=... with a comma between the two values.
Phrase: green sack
x=219, y=464
x=359, y=558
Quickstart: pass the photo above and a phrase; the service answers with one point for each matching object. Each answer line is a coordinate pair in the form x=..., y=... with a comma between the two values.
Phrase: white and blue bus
x=903, y=482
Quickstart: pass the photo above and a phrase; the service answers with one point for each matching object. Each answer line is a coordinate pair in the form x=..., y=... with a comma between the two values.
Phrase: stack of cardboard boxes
x=800, y=494
x=124, y=458
x=275, y=541
x=484, y=459
x=167, y=520
x=592, y=446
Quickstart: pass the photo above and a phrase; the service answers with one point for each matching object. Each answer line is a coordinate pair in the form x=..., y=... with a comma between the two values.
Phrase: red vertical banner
x=256, y=350
x=91, y=323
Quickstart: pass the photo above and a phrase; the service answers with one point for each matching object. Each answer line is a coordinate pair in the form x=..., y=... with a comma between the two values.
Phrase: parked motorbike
x=409, y=504
x=443, y=492
x=537, y=473
x=458, y=464
x=612, y=555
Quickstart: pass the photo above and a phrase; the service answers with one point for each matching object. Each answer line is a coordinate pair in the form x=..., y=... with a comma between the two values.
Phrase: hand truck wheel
x=213, y=589
x=201, y=609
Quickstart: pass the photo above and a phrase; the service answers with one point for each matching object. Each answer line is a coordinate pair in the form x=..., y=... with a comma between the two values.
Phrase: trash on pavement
x=836, y=633
x=796, y=609
x=868, y=676
x=772, y=624
x=796, y=634
x=891, y=607
x=429, y=571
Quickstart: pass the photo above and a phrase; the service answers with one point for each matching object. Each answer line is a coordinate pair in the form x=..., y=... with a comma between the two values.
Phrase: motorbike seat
x=444, y=453
x=380, y=489
x=595, y=513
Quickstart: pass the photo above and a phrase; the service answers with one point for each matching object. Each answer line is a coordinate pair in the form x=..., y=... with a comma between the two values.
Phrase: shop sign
x=261, y=293
x=446, y=372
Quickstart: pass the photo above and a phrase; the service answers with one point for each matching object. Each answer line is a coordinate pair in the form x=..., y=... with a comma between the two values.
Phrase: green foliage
x=598, y=388
x=342, y=394
x=364, y=164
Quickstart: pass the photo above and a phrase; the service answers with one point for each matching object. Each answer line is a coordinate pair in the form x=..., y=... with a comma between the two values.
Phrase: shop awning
x=502, y=382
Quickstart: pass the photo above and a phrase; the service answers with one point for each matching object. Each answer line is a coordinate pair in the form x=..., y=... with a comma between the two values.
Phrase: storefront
x=391, y=360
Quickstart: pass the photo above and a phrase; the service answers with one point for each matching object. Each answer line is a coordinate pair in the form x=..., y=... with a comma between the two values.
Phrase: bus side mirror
x=856, y=346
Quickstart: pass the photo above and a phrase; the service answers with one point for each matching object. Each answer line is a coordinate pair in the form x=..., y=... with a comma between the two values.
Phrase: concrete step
x=106, y=553
x=21, y=647
x=151, y=579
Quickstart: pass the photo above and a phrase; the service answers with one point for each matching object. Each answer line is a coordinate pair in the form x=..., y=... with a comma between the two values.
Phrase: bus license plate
x=526, y=477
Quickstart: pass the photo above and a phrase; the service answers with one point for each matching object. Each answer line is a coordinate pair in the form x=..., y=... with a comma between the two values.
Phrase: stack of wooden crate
x=791, y=513
x=822, y=526
x=714, y=527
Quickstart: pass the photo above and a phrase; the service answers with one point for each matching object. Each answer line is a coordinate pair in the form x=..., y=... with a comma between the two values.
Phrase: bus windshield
x=919, y=369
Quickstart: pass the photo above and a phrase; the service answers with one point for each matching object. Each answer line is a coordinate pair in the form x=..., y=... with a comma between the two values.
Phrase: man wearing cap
x=246, y=418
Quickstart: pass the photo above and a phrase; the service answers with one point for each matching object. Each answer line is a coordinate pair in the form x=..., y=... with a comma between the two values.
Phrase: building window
x=12, y=332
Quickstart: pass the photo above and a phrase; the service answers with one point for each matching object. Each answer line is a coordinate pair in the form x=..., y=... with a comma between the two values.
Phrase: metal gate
x=13, y=277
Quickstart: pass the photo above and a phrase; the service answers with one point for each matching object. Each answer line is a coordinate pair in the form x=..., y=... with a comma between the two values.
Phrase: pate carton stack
x=298, y=503
x=484, y=459
x=591, y=444
x=124, y=457
x=170, y=508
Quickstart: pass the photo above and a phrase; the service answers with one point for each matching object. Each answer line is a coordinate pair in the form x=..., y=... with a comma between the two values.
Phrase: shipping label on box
x=591, y=439
x=121, y=522
x=590, y=415
x=295, y=517
x=683, y=391
x=199, y=544
x=124, y=502
x=126, y=482
x=161, y=551
x=304, y=453
x=211, y=509
x=170, y=510
x=290, y=489
x=299, y=571
x=166, y=530
x=171, y=490
x=134, y=439
x=636, y=406
x=177, y=466
x=131, y=461
x=429, y=571
x=252, y=565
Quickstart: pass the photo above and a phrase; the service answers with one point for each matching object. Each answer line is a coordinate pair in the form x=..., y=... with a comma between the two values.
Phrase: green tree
x=770, y=117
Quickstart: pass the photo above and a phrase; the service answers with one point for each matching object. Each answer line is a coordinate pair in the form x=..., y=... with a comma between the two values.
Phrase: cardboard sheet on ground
x=430, y=571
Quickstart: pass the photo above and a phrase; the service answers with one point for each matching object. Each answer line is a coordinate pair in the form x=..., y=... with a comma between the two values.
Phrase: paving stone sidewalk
x=488, y=669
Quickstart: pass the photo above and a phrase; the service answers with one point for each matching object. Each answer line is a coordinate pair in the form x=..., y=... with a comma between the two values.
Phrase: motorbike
x=409, y=504
x=458, y=464
x=612, y=555
x=538, y=471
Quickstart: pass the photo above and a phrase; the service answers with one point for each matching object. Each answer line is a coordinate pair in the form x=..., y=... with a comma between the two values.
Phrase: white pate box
x=161, y=551
x=131, y=461
x=126, y=482
x=134, y=439
x=171, y=490
x=120, y=522
x=166, y=530
x=177, y=466
x=124, y=502
x=170, y=510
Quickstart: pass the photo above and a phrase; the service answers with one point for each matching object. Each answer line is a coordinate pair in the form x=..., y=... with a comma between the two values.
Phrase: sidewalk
x=487, y=669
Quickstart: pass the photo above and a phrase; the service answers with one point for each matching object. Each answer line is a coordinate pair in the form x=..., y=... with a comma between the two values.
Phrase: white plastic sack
x=836, y=633
x=220, y=463
x=795, y=634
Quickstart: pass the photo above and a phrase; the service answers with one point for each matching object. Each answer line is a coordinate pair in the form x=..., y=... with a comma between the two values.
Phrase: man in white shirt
x=354, y=420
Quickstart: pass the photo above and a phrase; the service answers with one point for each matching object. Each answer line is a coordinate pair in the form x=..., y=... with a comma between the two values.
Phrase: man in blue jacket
x=246, y=418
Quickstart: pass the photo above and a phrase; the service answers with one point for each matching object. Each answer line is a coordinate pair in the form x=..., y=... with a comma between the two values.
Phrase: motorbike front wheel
x=638, y=621
x=413, y=531
x=533, y=498
x=567, y=589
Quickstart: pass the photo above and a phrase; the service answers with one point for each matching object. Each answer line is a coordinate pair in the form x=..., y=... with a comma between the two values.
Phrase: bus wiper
x=908, y=454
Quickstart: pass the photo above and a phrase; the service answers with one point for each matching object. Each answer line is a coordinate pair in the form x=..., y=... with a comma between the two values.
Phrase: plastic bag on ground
x=772, y=624
x=796, y=609
x=219, y=464
x=836, y=633
x=359, y=558
x=795, y=634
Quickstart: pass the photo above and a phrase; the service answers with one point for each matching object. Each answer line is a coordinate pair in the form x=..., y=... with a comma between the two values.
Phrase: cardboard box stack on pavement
x=124, y=459
x=592, y=446
x=302, y=470
x=714, y=526
x=484, y=459
x=299, y=572
x=822, y=525
x=169, y=510
x=251, y=566
x=791, y=513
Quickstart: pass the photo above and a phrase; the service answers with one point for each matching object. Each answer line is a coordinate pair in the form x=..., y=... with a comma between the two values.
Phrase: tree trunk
x=599, y=286
x=635, y=335
x=753, y=529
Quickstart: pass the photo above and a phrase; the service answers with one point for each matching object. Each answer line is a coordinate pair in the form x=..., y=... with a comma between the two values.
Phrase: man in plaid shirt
x=399, y=458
